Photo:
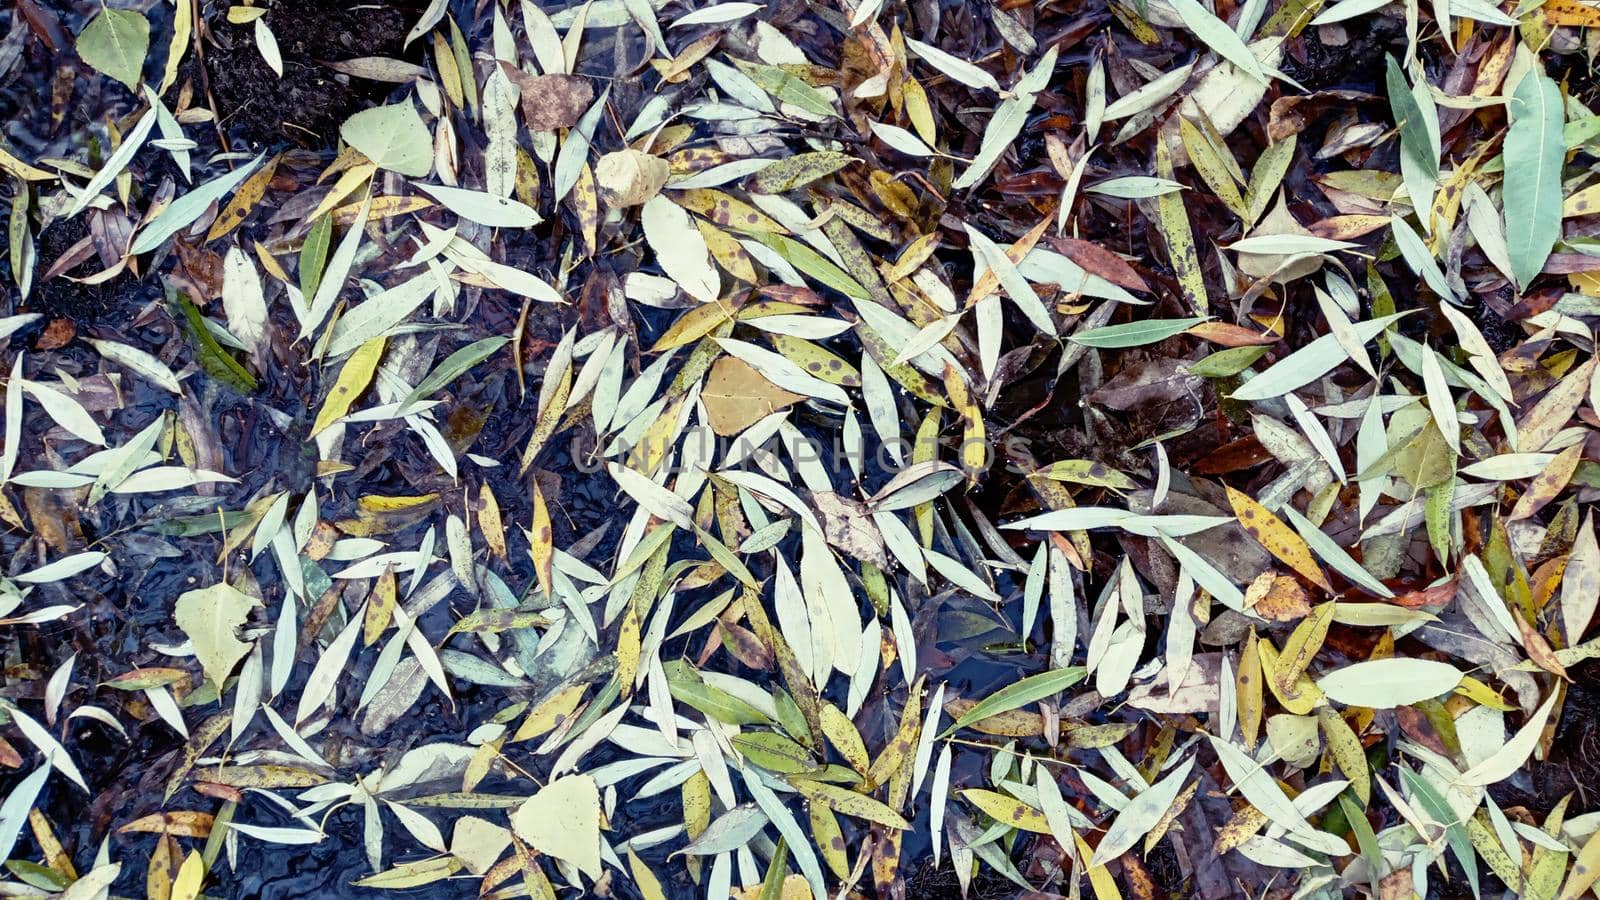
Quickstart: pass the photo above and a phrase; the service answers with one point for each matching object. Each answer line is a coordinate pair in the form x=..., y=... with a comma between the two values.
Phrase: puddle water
x=261, y=439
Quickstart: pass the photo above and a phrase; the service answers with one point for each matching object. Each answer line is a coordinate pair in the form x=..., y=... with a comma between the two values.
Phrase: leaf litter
x=975, y=448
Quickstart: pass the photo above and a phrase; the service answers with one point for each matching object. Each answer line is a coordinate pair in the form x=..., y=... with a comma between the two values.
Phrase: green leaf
x=1134, y=334
x=1534, y=153
x=454, y=366
x=1018, y=694
x=1218, y=36
x=183, y=211
x=1227, y=363
x=211, y=618
x=812, y=263
x=392, y=136
x=116, y=43
x=216, y=361
x=1440, y=810
x=774, y=752
x=313, y=254
x=563, y=820
x=785, y=86
x=1415, y=141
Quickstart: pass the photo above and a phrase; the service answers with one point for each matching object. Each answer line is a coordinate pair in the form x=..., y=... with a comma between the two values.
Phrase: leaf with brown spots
x=1301, y=648
x=244, y=200
x=1279, y=539
x=586, y=206
x=1549, y=483
x=1007, y=810
x=380, y=607
x=541, y=539
x=848, y=802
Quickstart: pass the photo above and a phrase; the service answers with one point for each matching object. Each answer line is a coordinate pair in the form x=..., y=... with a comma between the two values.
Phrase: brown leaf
x=1281, y=599
x=1537, y=647
x=552, y=101
x=737, y=396
x=1097, y=260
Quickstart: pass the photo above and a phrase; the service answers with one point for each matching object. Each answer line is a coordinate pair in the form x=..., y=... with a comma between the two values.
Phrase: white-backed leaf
x=1388, y=683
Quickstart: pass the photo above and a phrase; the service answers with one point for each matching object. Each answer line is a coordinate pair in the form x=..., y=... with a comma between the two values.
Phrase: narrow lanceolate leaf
x=1218, y=36
x=1174, y=222
x=1534, y=153
x=1580, y=584
x=353, y=378
x=1420, y=147
x=1019, y=694
x=1509, y=758
x=1134, y=334
x=850, y=803
x=1141, y=814
x=1307, y=364
x=1301, y=648
x=183, y=211
x=1279, y=539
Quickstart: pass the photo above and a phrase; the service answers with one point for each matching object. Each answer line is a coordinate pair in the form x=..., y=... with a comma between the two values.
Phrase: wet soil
x=1347, y=55
x=63, y=298
x=1574, y=763
x=305, y=105
x=929, y=882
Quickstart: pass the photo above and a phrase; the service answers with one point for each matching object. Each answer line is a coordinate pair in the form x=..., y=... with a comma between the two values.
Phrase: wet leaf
x=116, y=42
x=211, y=618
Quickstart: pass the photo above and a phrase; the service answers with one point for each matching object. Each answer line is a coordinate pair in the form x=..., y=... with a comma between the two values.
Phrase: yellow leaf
x=353, y=379
x=1549, y=483
x=727, y=210
x=843, y=736
x=818, y=361
x=190, y=875
x=380, y=607
x=542, y=540
x=550, y=713
x=1008, y=810
x=246, y=197
x=1345, y=748
x=344, y=187
x=1105, y=886
x=1301, y=648
x=1173, y=220
x=830, y=839
x=1570, y=12
x=1585, y=869
x=585, y=200
x=727, y=252
x=381, y=208
x=413, y=874
x=489, y=521
x=692, y=326
x=1279, y=539
x=649, y=885
x=1248, y=686
x=628, y=650
x=844, y=800
x=696, y=804
x=1302, y=696
x=920, y=112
